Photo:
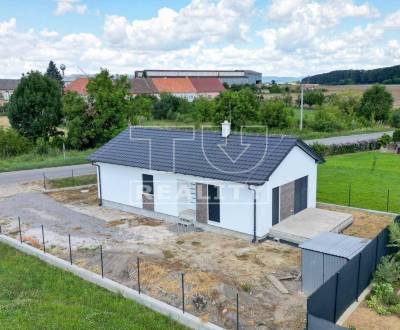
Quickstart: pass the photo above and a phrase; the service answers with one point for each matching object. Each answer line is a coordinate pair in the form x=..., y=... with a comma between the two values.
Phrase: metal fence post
x=358, y=276
x=44, y=181
x=101, y=258
x=44, y=244
x=138, y=273
x=350, y=194
x=237, y=311
x=19, y=226
x=70, y=250
x=387, y=201
x=73, y=178
x=183, y=292
x=336, y=293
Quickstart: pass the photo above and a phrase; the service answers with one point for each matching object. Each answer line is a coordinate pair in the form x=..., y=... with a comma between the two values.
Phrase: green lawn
x=371, y=175
x=34, y=295
x=72, y=181
x=31, y=160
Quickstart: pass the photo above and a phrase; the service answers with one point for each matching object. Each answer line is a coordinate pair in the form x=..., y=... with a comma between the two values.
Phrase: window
x=213, y=203
x=148, y=185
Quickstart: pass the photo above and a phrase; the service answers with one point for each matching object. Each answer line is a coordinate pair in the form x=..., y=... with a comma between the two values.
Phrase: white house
x=243, y=183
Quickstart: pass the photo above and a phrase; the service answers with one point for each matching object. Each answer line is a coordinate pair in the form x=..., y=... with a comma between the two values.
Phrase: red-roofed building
x=207, y=86
x=78, y=86
x=178, y=86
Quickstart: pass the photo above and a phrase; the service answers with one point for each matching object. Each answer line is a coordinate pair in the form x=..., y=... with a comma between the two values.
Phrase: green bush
x=345, y=148
x=388, y=271
x=327, y=119
x=395, y=118
x=320, y=149
x=12, y=144
x=396, y=135
x=384, y=140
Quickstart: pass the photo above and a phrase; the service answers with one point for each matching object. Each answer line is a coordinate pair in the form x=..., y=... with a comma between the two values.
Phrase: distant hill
x=388, y=75
x=279, y=80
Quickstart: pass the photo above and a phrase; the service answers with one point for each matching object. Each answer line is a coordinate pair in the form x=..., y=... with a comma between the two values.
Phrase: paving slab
x=310, y=223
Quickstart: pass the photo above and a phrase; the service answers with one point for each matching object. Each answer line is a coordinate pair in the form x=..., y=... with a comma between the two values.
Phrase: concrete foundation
x=309, y=223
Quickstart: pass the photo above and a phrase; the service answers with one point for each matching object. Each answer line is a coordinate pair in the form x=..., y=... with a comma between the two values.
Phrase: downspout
x=99, y=179
x=254, y=240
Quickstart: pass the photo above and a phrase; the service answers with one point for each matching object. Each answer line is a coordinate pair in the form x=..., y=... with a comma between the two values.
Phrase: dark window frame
x=148, y=181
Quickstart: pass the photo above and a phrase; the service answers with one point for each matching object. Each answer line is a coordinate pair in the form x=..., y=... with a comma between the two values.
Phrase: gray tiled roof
x=246, y=159
x=8, y=84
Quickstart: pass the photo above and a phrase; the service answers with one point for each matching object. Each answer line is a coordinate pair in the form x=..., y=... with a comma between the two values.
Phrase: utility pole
x=301, y=107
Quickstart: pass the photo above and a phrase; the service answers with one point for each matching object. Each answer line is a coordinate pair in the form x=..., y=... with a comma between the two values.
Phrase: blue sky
x=276, y=37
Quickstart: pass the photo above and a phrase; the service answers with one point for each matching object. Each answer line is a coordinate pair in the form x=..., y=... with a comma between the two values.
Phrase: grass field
x=34, y=295
x=370, y=174
x=31, y=160
x=72, y=181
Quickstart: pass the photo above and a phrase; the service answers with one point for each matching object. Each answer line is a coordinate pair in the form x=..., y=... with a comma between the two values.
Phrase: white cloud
x=49, y=34
x=69, y=6
x=8, y=26
x=212, y=34
x=393, y=20
x=201, y=20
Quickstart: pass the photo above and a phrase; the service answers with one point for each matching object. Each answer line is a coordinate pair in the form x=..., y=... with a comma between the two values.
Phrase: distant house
x=78, y=86
x=180, y=87
x=207, y=86
x=142, y=86
x=185, y=87
x=207, y=178
x=7, y=87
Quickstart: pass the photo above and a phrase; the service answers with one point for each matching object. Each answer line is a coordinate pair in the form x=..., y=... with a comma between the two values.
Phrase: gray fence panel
x=367, y=267
x=315, y=323
x=347, y=286
x=322, y=301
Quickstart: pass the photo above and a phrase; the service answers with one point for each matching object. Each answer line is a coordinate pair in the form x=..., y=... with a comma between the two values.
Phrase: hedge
x=345, y=148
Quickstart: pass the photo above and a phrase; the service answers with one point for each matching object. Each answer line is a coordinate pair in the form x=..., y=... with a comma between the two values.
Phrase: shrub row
x=345, y=148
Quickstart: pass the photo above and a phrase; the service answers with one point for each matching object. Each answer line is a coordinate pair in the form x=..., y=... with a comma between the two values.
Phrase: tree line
x=42, y=116
x=388, y=75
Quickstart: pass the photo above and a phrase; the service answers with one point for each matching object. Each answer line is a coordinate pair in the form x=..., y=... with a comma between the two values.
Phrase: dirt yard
x=364, y=318
x=4, y=122
x=365, y=224
x=216, y=267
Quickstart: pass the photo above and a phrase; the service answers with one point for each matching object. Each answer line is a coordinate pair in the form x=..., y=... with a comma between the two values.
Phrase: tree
x=166, y=106
x=376, y=103
x=395, y=119
x=313, y=97
x=274, y=113
x=347, y=102
x=53, y=73
x=202, y=110
x=94, y=121
x=34, y=109
x=240, y=107
x=140, y=107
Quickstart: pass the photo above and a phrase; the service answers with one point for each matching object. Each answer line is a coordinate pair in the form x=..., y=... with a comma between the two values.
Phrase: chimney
x=226, y=129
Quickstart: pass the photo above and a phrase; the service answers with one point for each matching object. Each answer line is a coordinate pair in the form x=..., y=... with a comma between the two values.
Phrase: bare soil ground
x=365, y=224
x=4, y=122
x=365, y=318
x=216, y=267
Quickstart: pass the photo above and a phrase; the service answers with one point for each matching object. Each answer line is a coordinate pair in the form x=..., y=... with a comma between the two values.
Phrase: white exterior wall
x=123, y=185
x=296, y=165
